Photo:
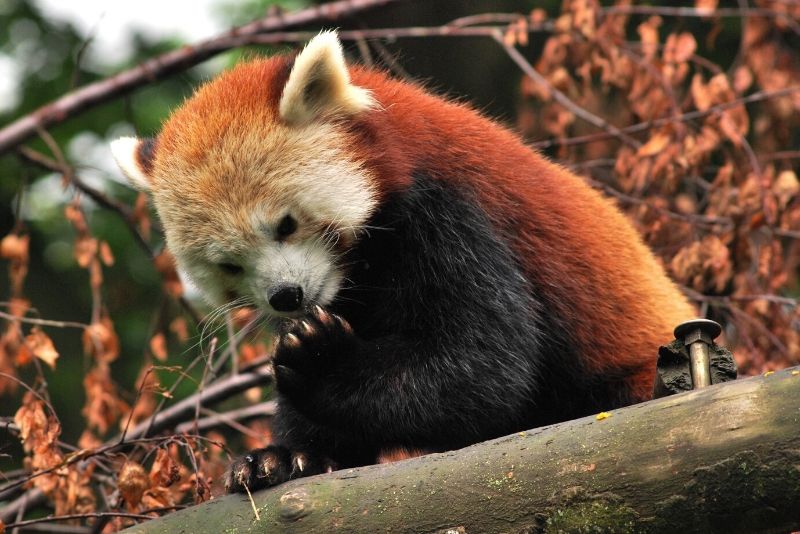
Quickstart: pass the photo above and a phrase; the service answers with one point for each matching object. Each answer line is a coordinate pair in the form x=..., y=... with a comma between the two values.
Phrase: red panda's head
x=253, y=180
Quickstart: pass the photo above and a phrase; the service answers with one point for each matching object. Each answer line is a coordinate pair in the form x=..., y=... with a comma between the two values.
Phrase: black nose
x=286, y=298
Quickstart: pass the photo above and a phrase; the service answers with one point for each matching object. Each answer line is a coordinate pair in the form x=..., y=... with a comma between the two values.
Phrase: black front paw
x=308, y=350
x=273, y=465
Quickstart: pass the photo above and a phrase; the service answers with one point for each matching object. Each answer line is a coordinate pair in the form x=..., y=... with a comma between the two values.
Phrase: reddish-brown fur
x=595, y=269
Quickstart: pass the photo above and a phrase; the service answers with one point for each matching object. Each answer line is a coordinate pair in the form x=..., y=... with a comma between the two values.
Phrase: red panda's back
x=574, y=244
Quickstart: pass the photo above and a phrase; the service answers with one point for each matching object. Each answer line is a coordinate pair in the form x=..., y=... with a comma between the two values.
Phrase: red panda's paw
x=270, y=466
x=309, y=349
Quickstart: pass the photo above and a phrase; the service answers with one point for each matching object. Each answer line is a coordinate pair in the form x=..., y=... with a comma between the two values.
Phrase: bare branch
x=685, y=117
x=170, y=63
x=669, y=11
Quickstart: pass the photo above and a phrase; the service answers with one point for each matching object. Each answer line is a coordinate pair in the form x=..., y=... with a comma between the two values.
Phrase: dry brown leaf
x=786, y=187
x=141, y=215
x=75, y=216
x=106, y=255
x=85, y=250
x=709, y=5
x=165, y=264
x=648, y=33
x=538, y=15
x=132, y=482
x=654, y=145
x=700, y=93
x=704, y=266
x=101, y=341
x=32, y=421
x=679, y=47
x=15, y=247
x=164, y=474
x=42, y=347
x=158, y=346
x=164, y=471
x=742, y=79
x=103, y=406
x=24, y=355
x=728, y=127
x=181, y=330
x=89, y=441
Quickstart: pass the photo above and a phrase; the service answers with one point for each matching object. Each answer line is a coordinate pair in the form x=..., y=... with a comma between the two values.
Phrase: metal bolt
x=698, y=335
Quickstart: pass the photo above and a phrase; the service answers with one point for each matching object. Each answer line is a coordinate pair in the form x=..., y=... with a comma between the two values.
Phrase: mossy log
x=721, y=459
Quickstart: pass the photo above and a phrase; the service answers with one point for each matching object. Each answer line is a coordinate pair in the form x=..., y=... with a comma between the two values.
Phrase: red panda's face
x=258, y=204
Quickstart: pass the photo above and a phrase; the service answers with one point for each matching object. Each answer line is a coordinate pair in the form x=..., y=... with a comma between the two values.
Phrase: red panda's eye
x=231, y=268
x=286, y=227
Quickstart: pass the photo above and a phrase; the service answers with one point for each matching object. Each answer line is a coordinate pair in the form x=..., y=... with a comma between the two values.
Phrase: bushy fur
x=457, y=286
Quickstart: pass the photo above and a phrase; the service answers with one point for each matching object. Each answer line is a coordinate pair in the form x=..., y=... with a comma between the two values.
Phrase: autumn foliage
x=695, y=152
x=700, y=154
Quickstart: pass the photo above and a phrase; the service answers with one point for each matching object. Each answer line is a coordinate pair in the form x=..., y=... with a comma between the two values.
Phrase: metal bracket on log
x=693, y=360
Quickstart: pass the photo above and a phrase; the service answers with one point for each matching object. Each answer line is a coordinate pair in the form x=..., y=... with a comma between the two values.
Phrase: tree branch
x=711, y=460
x=170, y=63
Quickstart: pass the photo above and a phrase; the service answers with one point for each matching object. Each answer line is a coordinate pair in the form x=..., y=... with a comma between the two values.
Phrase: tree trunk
x=720, y=459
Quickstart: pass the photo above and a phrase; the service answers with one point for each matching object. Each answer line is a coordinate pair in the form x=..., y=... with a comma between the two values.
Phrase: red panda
x=437, y=283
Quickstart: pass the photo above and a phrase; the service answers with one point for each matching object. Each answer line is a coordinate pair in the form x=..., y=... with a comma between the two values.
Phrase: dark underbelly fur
x=452, y=344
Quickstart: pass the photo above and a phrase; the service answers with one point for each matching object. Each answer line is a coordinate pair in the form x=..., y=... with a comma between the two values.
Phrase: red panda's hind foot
x=308, y=350
x=273, y=465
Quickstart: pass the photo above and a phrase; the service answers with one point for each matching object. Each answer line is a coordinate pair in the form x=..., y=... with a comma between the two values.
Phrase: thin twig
x=688, y=116
x=669, y=11
x=206, y=369
x=42, y=322
x=726, y=222
x=88, y=515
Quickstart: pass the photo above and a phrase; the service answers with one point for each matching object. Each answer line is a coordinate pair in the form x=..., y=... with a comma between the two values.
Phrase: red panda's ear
x=135, y=159
x=319, y=84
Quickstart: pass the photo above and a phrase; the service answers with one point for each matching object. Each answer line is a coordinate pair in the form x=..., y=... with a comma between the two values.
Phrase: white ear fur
x=319, y=84
x=126, y=153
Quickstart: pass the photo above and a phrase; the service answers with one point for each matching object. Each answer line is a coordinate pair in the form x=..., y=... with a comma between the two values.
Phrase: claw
x=291, y=340
x=306, y=327
x=346, y=328
x=299, y=462
x=269, y=464
x=323, y=316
